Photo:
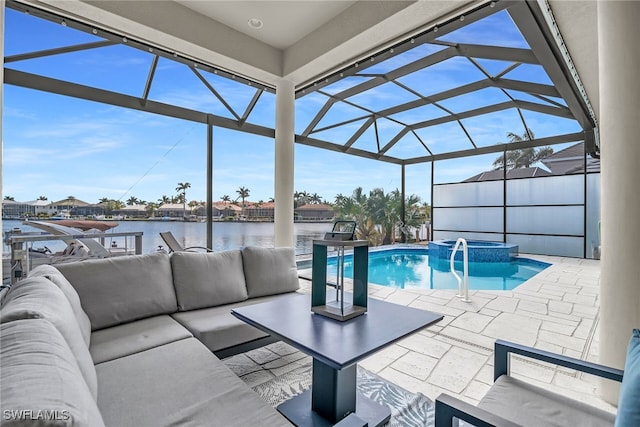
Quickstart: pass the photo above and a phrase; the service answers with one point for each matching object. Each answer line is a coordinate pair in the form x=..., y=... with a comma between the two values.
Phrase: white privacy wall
x=543, y=215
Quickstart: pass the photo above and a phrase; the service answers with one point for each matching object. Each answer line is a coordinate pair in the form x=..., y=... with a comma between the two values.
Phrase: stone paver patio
x=556, y=310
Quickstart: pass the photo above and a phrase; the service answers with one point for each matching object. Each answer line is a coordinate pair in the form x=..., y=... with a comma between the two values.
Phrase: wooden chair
x=175, y=246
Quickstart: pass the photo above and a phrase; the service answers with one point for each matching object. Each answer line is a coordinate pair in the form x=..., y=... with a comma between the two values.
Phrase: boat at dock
x=80, y=239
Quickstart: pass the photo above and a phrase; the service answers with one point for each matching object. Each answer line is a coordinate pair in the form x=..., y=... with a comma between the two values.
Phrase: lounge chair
x=174, y=246
x=512, y=402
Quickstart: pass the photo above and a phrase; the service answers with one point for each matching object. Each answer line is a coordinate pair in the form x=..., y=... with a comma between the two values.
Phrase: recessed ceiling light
x=255, y=23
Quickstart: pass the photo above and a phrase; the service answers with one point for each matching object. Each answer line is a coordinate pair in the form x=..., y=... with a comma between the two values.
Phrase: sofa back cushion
x=122, y=289
x=269, y=271
x=39, y=298
x=39, y=377
x=208, y=279
x=61, y=282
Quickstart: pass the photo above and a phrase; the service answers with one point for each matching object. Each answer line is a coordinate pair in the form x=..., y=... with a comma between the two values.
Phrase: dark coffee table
x=336, y=347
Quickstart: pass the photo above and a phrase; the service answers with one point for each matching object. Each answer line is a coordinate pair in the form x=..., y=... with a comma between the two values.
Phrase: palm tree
x=354, y=208
x=378, y=215
x=182, y=191
x=243, y=193
x=42, y=198
x=109, y=205
x=425, y=211
x=522, y=158
x=315, y=198
x=225, y=198
x=151, y=209
x=10, y=198
x=133, y=200
x=414, y=213
x=368, y=231
x=164, y=200
x=300, y=198
x=386, y=210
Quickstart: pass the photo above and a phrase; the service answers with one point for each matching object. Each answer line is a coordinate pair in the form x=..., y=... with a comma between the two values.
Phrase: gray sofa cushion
x=208, y=279
x=528, y=405
x=121, y=289
x=217, y=328
x=39, y=373
x=39, y=298
x=178, y=384
x=129, y=338
x=59, y=280
x=269, y=271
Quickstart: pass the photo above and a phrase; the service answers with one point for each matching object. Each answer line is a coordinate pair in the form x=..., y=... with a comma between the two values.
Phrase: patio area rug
x=407, y=409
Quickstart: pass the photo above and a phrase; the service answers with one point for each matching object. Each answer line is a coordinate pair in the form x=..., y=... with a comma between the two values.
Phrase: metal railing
x=463, y=283
x=20, y=262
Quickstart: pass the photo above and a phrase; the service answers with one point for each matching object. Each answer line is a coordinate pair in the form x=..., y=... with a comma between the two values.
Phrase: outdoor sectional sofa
x=136, y=340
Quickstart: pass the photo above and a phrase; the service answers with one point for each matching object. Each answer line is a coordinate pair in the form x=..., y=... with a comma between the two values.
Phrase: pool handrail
x=463, y=285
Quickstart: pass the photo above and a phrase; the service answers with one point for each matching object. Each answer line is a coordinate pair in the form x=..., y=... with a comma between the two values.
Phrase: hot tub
x=479, y=251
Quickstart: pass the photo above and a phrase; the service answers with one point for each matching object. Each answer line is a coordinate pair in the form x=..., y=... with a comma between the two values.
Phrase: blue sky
x=57, y=146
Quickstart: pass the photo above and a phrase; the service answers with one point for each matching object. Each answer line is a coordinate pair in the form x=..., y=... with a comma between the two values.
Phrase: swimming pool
x=409, y=268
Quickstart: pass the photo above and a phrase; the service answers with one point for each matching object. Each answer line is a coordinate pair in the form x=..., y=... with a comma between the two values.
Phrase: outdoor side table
x=336, y=348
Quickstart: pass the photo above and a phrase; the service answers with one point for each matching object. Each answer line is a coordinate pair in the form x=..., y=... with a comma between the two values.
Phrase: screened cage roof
x=452, y=89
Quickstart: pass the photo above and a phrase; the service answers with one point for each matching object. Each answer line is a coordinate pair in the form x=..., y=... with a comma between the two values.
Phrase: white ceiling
x=284, y=22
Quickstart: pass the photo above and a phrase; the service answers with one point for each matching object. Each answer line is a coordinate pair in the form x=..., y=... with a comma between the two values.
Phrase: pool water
x=412, y=269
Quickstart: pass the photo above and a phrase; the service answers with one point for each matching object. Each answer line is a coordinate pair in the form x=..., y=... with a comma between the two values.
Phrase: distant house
x=15, y=210
x=495, y=175
x=571, y=160
x=68, y=204
x=172, y=210
x=314, y=212
x=134, y=211
x=220, y=210
x=72, y=207
x=226, y=209
x=87, y=210
x=568, y=161
x=264, y=210
x=43, y=208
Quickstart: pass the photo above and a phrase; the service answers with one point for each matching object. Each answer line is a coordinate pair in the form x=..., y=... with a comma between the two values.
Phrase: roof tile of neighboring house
x=576, y=150
x=495, y=175
x=136, y=208
x=39, y=203
x=263, y=205
x=226, y=205
x=571, y=160
x=172, y=206
x=315, y=206
x=68, y=201
x=566, y=161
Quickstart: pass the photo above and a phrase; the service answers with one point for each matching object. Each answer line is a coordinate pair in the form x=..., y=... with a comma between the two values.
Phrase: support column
x=209, y=205
x=2, y=30
x=620, y=155
x=283, y=193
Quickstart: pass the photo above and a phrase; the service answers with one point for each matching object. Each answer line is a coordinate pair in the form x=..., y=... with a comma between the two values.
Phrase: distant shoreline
x=167, y=220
